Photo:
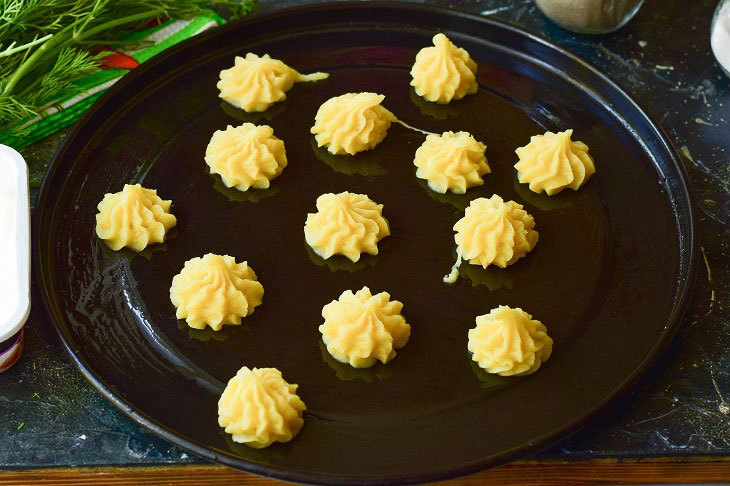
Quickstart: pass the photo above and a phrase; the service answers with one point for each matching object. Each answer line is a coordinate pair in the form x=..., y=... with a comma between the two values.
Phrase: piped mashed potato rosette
x=258, y=407
x=246, y=156
x=444, y=72
x=352, y=123
x=134, y=217
x=255, y=83
x=345, y=224
x=451, y=162
x=362, y=328
x=215, y=291
x=509, y=342
x=553, y=162
x=493, y=232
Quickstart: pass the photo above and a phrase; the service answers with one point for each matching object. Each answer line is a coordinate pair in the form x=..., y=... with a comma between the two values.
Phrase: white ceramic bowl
x=14, y=249
x=720, y=35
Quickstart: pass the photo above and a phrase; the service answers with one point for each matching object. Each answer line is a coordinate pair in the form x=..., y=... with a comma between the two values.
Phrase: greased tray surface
x=609, y=277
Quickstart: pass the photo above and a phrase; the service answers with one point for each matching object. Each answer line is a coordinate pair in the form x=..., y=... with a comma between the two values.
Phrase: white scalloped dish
x=14, y=249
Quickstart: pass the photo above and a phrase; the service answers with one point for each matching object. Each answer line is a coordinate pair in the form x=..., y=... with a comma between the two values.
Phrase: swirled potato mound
x=258, y=407
x=255, y=83
x=352, y=123
x=345, y=224
x=553, y=162
x=362, y=328
x=444, y=72
x=451, y=162
x=509, y=342
x=134, y=217
x=215, y=290
x=246, y=156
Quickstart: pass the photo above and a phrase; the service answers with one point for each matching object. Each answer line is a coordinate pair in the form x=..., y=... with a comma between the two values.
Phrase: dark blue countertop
x=52, y=417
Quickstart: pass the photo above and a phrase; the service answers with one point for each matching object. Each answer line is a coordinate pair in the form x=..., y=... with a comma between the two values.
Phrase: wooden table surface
x=520, y=473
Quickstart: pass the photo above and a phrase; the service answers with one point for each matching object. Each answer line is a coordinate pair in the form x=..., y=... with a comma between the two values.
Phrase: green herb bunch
x=44, y=44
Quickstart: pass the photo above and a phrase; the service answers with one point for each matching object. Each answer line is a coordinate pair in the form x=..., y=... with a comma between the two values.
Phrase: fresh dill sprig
x=44, y=44
x=70, y=64
x=13, y=108
x=236, y=8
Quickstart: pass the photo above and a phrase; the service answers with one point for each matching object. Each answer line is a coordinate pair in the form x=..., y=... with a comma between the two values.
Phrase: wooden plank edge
x=521, y=473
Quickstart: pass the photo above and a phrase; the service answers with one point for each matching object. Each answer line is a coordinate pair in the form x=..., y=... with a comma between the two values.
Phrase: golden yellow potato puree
x=255, y=83
x=492, y=232
x=452, y=161
x=345, y=224
x=215, y=290
x=258, y=407
x=552, y=162
x=363, y=328
x=509, y=342
x=135, y=217
x=246, y=156
x=352, y=123
x=444, y=72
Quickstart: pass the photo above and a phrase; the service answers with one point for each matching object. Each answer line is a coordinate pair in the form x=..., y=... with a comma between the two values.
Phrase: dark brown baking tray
x=610, y=276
